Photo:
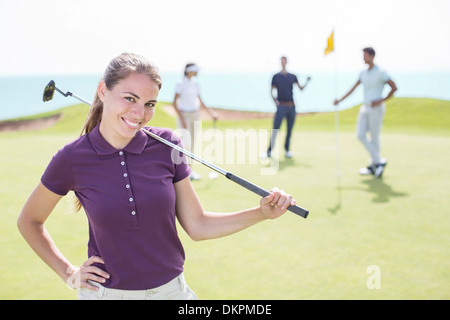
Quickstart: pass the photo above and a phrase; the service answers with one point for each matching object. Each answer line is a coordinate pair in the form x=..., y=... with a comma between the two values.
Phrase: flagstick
x=336, y=113
x=336, y=118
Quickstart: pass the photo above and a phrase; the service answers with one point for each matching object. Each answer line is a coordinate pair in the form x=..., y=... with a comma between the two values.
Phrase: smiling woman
x=124, y=66
x=124, y=111
x=132, y=192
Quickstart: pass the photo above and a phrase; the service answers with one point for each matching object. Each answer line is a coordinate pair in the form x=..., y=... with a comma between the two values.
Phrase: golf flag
x=330, y=44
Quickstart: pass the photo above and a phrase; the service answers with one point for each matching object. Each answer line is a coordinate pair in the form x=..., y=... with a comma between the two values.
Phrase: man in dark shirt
x=283, y=82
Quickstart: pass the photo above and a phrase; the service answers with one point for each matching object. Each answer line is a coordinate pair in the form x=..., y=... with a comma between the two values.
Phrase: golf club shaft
x=68, y=93
x=79, y=98
x=242, y=182
x=185, y=152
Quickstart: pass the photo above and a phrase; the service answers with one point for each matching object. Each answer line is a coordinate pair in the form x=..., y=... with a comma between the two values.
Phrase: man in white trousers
x=371, y=113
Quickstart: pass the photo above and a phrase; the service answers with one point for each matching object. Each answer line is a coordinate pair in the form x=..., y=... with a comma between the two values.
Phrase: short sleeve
x=178, y=88
x=58, y=176
x=274, y=80
x=385, y=76
x=180, y=160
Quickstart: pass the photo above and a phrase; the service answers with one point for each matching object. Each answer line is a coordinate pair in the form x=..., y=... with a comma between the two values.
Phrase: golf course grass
x=365, y=238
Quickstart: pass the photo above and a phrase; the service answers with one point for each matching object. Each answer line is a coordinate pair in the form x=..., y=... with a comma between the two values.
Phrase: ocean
x=22, y=95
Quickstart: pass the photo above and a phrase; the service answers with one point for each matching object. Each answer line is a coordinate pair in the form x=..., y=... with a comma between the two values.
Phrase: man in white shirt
x=371, y=113
x=187, y=103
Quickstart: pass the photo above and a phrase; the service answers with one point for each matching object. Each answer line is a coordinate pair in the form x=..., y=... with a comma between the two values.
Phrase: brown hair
x=370, y=51
x=118, y=69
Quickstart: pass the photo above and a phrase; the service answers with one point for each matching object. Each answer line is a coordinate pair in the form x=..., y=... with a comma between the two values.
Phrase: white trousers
x=188, y=135
x=176, y=289
x=370, y=120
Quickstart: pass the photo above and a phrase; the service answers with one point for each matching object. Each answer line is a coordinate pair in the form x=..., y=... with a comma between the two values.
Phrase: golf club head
x=49, y=91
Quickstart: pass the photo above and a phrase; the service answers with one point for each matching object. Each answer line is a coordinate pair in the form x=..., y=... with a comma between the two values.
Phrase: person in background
x=282, y=83
x=187, y=103
x=371, y=112
x=132, y=193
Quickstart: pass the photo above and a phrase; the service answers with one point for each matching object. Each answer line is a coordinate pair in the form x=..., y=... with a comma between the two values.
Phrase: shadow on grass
x=338, y=206
x=381, y=190
x=284, y=163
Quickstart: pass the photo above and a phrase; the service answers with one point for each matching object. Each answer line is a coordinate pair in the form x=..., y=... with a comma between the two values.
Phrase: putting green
x=365, y=238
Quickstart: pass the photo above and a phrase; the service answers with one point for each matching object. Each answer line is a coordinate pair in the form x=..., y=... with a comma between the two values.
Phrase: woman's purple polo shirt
x=129, y=198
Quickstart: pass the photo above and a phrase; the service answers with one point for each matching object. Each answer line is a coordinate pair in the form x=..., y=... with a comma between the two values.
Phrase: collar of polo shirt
x=103, y=148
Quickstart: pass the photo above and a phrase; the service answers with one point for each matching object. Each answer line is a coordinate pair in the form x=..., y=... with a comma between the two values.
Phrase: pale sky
x=81, y=36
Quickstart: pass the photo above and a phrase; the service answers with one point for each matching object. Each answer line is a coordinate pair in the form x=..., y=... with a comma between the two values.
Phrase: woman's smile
x=132, y=124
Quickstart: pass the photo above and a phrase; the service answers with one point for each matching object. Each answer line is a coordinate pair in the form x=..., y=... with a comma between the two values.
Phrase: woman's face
x=127, y=108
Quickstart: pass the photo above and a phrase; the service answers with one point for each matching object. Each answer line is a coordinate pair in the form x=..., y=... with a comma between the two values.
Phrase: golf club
x=50, y=90
x=48, y=95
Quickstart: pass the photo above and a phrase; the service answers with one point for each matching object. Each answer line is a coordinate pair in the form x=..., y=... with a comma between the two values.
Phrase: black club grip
x=264, y=193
